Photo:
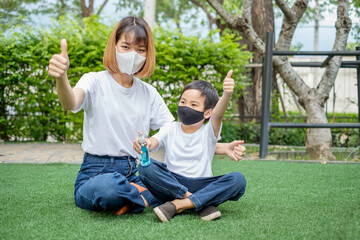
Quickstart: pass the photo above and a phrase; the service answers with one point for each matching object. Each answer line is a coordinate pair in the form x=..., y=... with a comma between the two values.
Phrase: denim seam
x=130, y=168
x=147, y=195
x=178, y=193
x=196, y=202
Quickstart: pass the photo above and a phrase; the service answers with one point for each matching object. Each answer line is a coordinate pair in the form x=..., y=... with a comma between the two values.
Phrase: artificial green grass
x=283, y=200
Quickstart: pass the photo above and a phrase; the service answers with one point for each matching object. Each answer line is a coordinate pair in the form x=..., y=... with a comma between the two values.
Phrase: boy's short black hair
x=207, y=90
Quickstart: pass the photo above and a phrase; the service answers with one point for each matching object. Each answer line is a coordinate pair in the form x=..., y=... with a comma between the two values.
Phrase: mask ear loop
x=207, y=119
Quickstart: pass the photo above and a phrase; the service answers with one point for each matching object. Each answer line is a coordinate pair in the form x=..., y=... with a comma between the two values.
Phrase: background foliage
x=250, y=132
x=181, y=60
x=30, y=109
x=29, y=106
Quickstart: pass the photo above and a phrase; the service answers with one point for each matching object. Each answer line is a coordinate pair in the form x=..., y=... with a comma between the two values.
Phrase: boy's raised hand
x=220, y=108
x=229, y=84
x=59, y=63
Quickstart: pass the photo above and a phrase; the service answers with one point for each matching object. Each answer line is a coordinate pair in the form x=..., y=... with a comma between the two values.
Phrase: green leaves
x=182, y=59
x=29, y=106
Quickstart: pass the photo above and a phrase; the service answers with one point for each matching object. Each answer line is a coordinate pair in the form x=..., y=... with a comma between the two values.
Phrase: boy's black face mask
x=189, y=116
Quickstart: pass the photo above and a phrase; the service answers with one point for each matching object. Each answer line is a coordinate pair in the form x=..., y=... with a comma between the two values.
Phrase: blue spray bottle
x=144, y=157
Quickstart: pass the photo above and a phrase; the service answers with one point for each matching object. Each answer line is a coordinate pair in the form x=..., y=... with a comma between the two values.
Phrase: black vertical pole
x=266, y=94
x=358, y=86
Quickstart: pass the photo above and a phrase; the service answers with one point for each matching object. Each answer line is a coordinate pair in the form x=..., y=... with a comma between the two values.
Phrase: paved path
x=47, y=153
x=72, y=153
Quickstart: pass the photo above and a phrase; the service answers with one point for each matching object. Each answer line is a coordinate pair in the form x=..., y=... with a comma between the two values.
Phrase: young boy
x=185, y=179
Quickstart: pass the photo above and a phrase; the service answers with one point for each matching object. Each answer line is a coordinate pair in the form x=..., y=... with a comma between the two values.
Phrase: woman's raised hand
x=59, y=63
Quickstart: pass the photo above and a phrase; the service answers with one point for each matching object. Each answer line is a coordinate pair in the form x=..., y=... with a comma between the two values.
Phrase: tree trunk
x=150, y=12
x=263, y=21
x=319, y=141
x=87, y=11
x=316, y=28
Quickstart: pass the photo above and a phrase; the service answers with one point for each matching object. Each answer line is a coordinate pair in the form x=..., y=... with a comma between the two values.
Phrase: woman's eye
x=141, y=50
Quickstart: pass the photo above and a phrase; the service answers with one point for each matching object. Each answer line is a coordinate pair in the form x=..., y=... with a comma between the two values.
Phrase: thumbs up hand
x=59, y=63
x=228, y=85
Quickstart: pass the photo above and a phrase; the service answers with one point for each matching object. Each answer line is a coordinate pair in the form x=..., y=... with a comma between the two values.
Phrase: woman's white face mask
x=129, y=62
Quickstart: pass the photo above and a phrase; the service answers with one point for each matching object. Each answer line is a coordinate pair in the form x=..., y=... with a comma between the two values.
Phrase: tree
x=250, y=101
x=16, y=12
x=12, y=12
x=355, y=7
x=312, y=99
x=88, y=11
x=150, y=12
x=29, y=107
x=165, y=9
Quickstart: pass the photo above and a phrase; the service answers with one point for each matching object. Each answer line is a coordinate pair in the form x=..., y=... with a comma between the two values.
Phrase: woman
x=116, y=104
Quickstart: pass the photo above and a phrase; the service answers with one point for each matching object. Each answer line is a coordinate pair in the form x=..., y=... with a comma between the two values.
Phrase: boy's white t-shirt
x=189, y=155
x=113, y=114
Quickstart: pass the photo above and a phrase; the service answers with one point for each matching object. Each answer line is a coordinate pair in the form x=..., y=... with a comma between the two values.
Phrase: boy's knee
x=150, y=170
x=145, y=171
x=238, y=180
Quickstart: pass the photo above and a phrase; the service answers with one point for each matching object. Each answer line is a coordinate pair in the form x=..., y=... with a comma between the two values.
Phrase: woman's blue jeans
x=103, y=184
x=206, y=191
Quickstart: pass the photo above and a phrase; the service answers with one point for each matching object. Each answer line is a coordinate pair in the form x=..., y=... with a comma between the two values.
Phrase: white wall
x=346, y=100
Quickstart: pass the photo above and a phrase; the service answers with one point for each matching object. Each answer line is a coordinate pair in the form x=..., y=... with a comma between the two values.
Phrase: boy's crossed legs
x=180, y=193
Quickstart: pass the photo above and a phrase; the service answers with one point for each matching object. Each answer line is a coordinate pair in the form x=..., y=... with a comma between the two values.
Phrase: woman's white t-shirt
x=113, y=114
x=189, y=155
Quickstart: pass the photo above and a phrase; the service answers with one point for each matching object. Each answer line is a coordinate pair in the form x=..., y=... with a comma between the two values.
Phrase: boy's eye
x=194, y=105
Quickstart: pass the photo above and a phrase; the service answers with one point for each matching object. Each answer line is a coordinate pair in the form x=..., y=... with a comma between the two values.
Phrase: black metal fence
x=266, y=88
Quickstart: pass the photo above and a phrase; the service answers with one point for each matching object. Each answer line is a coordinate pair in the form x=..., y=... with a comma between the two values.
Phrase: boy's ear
x=207, y=113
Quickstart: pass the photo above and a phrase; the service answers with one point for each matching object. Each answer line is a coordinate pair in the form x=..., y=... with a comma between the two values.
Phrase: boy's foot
x=209, y=213
x=165, y=212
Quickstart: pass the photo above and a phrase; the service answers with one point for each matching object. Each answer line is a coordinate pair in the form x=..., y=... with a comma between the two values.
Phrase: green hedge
x=29, y=106
x=250, y=132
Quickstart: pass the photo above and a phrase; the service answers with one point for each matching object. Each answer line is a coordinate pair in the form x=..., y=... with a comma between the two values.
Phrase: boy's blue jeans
x=103, y=184
x=206, y=191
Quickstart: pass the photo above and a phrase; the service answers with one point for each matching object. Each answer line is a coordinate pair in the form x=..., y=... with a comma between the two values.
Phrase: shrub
x=29, y=106
x=182, y=59
x=250, y=132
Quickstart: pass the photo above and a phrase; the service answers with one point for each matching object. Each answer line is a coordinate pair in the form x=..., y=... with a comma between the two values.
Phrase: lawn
x=283, y=200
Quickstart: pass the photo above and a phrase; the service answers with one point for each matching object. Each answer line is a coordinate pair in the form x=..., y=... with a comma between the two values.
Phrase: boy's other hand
x=59, y=63
x=229, y=83
x=236, y=150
